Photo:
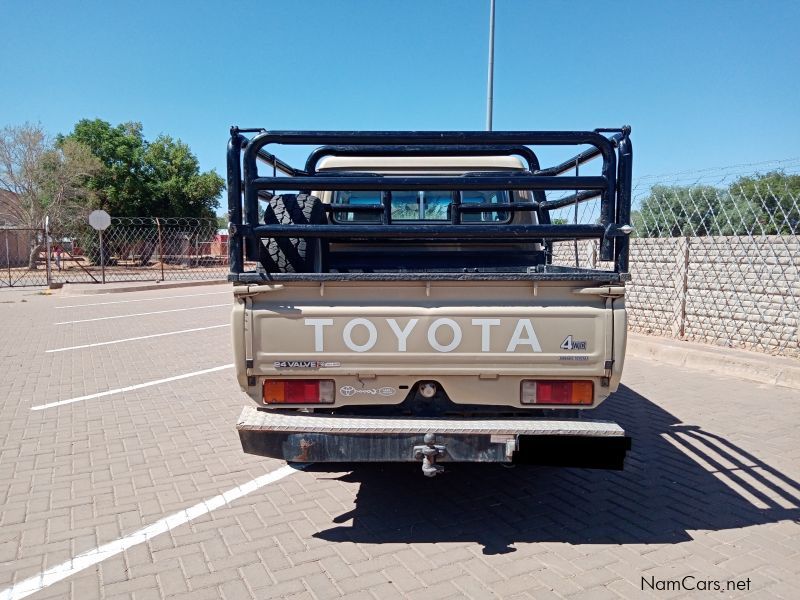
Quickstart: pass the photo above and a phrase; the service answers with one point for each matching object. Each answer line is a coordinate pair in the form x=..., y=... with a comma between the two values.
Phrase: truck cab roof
x=420, y=164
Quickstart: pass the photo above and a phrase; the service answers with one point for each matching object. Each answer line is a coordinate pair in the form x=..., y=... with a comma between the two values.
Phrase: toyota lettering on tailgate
x=443, y=334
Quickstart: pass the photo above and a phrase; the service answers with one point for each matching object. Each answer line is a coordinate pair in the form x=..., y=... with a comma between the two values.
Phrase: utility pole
x=490, y=82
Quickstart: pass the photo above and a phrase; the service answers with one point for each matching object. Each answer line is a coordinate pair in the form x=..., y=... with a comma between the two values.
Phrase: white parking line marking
x=155, y=312
x=129, y=388
x=141, y=337
x=145, y=299
x=87, y=559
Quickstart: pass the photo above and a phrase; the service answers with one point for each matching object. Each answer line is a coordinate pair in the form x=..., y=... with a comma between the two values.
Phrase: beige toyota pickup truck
x=402, y=303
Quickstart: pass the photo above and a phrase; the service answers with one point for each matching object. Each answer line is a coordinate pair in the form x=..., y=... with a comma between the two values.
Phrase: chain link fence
x=132, y=249
x=715, y=256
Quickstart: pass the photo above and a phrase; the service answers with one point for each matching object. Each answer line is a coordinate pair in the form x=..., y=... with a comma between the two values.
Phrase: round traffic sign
x=99, y=219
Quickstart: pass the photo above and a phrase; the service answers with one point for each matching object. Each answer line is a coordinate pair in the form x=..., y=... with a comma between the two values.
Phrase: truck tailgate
x=428, y=329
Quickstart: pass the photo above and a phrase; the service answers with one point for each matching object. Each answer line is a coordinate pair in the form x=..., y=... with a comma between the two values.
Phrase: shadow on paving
x=665, y=491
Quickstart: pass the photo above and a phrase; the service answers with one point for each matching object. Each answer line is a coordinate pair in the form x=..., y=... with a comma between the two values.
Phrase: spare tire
x=293, y=255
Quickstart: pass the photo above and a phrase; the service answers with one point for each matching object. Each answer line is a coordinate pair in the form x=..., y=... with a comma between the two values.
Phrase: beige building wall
x=14, y=247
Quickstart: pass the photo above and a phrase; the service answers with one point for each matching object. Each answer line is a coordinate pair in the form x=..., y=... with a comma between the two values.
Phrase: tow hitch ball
x=428, y=454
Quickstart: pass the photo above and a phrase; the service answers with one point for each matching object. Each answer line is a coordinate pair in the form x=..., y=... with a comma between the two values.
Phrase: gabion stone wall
x=744, y=291
x=733, y=291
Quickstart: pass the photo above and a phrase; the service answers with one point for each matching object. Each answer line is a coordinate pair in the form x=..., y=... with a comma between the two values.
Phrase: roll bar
x=612, y=186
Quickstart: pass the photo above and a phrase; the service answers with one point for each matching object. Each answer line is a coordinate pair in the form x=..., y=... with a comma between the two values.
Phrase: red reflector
x=554, y=392
x=302, y=391
x=297, y=391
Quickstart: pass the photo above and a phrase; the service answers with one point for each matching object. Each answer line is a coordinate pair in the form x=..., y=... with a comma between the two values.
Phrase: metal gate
x=22, y=251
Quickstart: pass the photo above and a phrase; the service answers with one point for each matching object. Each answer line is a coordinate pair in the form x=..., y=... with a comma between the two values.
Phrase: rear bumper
x=331, y=438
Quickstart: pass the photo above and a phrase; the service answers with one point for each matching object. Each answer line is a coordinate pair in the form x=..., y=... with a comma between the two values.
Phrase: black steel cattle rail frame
x=612, y=186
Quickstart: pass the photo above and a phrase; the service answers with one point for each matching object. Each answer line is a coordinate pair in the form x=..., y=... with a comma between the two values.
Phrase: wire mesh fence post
x=684, y=287
x=102, y=256
x=577, y=259
x=160, y=248
x=8, y=259
x=675, y=256
x=47, y=249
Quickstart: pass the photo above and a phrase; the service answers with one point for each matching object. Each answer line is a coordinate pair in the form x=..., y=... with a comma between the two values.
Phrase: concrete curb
x=763, y=368
x=84, y=289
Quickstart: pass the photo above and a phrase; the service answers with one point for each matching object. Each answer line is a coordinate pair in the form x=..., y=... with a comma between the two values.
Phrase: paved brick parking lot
x=94, y=493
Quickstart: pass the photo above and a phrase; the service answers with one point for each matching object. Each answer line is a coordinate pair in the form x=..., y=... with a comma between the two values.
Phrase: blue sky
x=703, y=83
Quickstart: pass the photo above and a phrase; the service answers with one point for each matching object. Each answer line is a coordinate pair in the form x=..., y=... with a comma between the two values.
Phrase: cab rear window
x=420, y=206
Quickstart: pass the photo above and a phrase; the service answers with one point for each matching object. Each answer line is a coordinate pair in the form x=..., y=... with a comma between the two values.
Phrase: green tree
x=673, y=210
x=43, y=179
x=766, y=204
x=770, y=203
x=122, y=185
x=178, y=187
x=140, y=178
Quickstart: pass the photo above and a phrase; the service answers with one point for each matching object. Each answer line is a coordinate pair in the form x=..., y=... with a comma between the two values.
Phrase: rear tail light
x=556, y=392
x=298, y=391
